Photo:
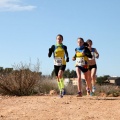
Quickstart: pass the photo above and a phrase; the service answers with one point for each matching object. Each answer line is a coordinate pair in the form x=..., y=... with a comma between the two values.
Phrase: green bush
x=102, y=79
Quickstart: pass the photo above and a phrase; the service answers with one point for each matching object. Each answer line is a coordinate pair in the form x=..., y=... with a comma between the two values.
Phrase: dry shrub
x=46, y=85
x=108, y=90
x=21, y=81
x=73, y=89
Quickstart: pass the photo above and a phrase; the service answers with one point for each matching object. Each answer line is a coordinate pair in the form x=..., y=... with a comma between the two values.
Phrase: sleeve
x=87, y=52
x=51, y=50
x=66, y=53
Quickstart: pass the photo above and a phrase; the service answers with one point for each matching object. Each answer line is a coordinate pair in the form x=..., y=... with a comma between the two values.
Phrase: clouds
x=14, y=5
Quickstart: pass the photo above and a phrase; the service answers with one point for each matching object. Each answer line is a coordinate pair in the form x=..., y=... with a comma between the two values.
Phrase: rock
x=103, y=94
x=53, y=92
x=110, y=95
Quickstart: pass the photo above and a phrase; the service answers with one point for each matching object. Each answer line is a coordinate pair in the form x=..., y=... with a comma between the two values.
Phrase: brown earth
x=55, y=108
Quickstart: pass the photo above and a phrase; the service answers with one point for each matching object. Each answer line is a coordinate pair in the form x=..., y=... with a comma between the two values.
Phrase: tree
x=66, y=73
x=53, y=73
x=101, y=80
x=73, y=74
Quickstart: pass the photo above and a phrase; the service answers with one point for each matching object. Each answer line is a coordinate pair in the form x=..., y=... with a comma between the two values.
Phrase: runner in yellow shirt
x=60, y=55
x=82, y=53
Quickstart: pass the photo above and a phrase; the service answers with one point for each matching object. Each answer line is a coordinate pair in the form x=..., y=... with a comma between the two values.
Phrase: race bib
x=80, y=61
x=58, y=61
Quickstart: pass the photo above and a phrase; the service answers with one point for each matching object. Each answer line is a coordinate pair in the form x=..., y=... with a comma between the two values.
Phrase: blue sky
x=29, y=27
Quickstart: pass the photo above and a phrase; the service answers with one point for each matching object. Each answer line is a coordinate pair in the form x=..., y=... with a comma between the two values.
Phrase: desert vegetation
x=21, y=80
x=26, y=79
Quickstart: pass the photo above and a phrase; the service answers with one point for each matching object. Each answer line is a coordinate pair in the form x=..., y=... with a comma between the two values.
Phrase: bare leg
x=88, y=81
x=78, y=71
x=57, y=78
x=60, y=74
x=93, y=76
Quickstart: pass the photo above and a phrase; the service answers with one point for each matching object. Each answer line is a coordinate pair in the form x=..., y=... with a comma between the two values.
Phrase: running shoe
x=88, y=91
x=79, y=94
x=63, y=92
x=91, y=93
x=61, y=95
x=93, y=89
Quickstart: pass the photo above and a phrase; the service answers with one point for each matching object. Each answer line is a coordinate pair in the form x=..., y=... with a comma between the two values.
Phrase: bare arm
x=97, y=54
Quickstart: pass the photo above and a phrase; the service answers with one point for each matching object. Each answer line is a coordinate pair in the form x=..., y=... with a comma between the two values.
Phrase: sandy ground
x=55, y=108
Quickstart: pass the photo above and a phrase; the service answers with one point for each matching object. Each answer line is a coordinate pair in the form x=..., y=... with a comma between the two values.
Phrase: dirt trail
x=55, y=108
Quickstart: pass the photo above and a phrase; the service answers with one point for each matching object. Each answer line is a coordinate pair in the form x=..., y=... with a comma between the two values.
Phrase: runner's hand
x=73, y=59
x=97, y=56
